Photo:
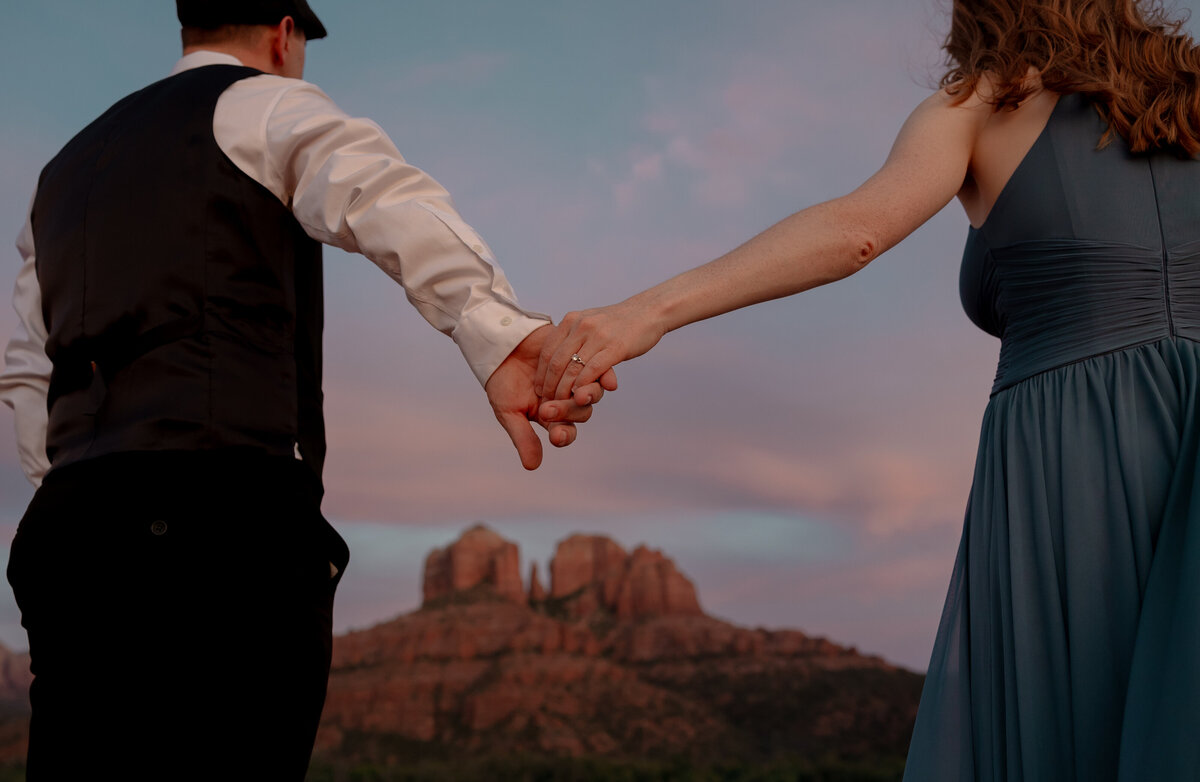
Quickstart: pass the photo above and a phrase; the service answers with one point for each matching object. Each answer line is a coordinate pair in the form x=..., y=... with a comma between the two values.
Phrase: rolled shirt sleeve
x=349, y=187
x=25, y=380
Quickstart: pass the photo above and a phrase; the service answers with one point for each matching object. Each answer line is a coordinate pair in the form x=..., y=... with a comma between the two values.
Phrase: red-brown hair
x=1128, y=56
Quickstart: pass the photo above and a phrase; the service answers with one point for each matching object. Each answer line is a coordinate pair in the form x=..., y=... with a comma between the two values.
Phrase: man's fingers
x=526, y=441
x=587, y=395
x=592, y=393
x=576, y=408
x=563, y=411
x=562, y=435
x=541, y=375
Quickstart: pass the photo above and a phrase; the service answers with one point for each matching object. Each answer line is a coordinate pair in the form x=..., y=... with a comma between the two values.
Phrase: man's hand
x=510, y=392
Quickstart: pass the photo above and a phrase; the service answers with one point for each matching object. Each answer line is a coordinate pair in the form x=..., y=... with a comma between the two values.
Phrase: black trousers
x=178, y=607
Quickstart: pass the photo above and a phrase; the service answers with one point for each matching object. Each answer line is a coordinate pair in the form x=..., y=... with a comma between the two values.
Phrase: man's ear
x=281, y=40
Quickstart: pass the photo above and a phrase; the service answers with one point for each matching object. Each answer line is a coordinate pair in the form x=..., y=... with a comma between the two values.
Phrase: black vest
x=182, y=300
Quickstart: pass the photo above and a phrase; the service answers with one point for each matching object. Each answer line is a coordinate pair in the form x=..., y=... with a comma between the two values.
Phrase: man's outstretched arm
x=349, y=187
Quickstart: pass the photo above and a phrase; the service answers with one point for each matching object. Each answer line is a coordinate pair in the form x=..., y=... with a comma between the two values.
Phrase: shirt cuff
x=489, y=332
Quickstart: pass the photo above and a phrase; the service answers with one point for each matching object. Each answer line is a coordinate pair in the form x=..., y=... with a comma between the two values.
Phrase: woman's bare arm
x=927, y=166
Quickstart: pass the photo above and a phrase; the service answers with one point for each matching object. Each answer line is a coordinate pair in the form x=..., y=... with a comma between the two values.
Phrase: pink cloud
x=889, y=490
x=644, y=170
x=742, y=125
x=430, y=455
x=731, y=137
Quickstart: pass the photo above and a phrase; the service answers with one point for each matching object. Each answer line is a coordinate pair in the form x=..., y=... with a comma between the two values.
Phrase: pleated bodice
x=1062, y=271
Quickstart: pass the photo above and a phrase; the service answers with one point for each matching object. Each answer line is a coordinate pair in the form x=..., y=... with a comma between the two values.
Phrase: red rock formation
x=479, y=556
x=537, y=592
x=620, y=662
x=587, y=560
x=594, y=572
x=653, y=587
x=15, y=676
x=498, y=677
x=501, y=674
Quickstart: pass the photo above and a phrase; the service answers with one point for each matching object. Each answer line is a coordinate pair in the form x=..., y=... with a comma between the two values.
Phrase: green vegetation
x=545, y=769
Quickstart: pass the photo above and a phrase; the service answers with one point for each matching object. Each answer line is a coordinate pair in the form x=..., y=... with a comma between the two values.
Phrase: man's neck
x=248, y=57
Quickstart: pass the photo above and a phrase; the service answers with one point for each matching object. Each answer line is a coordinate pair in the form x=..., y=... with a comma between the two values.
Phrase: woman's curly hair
x=1129, y=56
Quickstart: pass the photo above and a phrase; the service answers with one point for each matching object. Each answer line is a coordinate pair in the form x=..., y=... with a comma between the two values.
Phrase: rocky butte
x=14, y=705
x=615, y=659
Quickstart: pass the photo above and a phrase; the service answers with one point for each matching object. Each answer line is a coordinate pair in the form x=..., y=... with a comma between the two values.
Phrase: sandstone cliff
x=15, y=678
x=616, y=660
x=480, y=556
x=592, y=572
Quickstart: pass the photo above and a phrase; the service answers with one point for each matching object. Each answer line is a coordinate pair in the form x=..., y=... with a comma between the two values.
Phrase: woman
x=1069, y=641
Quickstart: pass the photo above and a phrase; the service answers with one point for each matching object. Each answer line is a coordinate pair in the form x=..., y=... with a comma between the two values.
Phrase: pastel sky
x=806, y=462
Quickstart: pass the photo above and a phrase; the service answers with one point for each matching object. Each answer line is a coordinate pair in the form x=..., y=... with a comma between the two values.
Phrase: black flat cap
x=207, y=14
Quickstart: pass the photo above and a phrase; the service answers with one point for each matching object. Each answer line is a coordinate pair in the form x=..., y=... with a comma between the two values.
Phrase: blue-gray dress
x=1069, y=646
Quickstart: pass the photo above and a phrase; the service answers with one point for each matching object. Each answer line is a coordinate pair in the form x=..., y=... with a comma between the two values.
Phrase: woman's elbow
x=861, y=248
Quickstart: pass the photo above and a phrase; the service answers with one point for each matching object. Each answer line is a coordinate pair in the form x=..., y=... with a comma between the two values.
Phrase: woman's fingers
x=598, y=370
x=590, y=393
x=555, y=355
x=583, y=350
x=573, y=364
x=568, y=410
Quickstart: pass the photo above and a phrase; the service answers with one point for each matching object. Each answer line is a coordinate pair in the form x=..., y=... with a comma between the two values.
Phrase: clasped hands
x=545, y=380
x=513, y=389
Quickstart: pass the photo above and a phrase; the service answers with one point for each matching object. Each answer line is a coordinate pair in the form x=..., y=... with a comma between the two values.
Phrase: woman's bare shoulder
x=974, y=110
x=948, y=107
x=978, y=98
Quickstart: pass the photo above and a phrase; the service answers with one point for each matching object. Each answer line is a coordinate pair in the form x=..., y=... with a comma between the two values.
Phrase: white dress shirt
x=348, y=186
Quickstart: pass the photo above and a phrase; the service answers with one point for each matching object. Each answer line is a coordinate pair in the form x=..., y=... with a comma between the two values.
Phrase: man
x=173, y=571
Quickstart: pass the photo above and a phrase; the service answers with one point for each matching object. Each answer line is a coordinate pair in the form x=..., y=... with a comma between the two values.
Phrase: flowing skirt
x=1069, y=645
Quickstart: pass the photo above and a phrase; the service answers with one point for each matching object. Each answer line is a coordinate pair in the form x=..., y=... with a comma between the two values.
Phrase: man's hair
x=248, y=34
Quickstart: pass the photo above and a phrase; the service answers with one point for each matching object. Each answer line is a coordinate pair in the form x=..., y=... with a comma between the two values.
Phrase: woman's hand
x=586, y=345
